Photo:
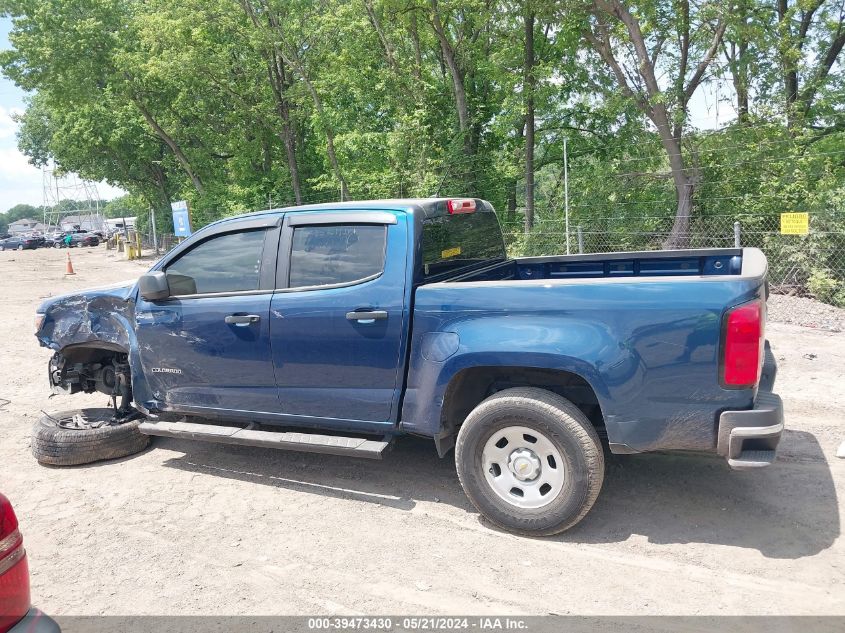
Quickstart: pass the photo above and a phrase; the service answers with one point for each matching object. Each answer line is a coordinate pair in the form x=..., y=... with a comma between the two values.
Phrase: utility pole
x=566, y=190
x=153, y=223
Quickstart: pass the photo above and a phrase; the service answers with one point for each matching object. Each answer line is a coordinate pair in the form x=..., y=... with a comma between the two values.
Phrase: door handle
x=367, y=315
x=242, y=319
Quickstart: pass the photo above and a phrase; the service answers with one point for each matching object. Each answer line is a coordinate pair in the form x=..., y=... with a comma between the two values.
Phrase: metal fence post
x=153, y=225
x=580, y=240
x=736, y=234
x=566, y=190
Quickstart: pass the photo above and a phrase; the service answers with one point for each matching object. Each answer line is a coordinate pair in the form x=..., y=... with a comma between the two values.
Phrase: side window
x=336, y=254
x=227, y=263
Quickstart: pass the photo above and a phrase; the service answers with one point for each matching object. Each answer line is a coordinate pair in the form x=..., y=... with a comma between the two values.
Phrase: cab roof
x=429, y=207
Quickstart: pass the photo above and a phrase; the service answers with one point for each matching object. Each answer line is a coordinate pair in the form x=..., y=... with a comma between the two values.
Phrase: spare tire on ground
x=82, y=436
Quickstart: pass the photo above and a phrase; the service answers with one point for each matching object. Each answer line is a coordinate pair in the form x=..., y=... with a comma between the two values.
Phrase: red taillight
x=460, y=205
x=14, y=571
x=743, y=344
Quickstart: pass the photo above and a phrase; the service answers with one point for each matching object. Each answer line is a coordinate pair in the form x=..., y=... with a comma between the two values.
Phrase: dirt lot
x=195, y=528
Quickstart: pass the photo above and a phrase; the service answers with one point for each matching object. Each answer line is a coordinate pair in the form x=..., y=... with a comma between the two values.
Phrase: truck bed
x=681, y=263
x=644, y=329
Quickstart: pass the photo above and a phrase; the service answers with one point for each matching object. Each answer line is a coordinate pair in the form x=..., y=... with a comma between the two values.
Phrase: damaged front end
x=91, y=334
x=110, y=374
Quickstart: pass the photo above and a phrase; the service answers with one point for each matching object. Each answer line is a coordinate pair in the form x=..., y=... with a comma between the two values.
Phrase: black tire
x=58, y=446
x=565, y=427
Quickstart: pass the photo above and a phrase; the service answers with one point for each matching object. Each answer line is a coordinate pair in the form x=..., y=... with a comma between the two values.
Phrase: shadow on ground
x=788, y=510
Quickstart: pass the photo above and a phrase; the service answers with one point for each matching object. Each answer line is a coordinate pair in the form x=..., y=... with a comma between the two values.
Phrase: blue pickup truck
x=337, y=328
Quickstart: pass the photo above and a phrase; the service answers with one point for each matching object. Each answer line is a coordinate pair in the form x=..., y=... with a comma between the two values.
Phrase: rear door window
x=330, y=255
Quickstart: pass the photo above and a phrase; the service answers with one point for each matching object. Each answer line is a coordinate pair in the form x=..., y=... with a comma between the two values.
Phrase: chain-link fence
x=810, y=265
x=806, y=265
x=163, y=241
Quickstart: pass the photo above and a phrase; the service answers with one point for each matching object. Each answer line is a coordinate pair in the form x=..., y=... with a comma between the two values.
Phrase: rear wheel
x=82, y=436
x=530, y=461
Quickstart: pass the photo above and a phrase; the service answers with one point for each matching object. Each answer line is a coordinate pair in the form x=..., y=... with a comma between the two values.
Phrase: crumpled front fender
x=101, y=317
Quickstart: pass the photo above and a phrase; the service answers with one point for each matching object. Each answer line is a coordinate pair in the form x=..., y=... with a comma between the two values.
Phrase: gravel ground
x=805, y=312
x=193, y=528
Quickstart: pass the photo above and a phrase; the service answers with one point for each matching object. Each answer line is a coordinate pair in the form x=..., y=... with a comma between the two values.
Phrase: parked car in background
x=16, y=613
x=51, y=238
x=87, y=239
x=19, y=243
x=77, y=239
x=60, y=239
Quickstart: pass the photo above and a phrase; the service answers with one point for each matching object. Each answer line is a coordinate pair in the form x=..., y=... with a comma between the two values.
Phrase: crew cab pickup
x=338, y=327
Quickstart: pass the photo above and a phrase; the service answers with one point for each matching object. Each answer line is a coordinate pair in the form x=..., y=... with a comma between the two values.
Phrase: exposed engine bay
x=93, y=370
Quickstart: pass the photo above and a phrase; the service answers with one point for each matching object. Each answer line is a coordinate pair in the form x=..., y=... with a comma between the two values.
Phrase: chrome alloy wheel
x=523, y=467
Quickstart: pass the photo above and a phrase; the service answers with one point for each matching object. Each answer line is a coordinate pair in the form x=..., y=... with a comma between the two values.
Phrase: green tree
x=641, y=43
x=19, y=212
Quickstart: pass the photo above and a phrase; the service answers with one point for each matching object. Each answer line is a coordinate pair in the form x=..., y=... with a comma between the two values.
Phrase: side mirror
x=153, y=286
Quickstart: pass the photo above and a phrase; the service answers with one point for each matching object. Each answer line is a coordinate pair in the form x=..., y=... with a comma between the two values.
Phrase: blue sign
x=181, y=219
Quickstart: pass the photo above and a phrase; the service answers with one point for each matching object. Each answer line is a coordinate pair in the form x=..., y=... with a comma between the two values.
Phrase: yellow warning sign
x=794, y=223
x=450, y=252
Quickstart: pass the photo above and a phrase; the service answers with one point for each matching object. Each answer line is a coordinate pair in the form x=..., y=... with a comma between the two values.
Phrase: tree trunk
x=266, y=157
x=279, y=83
x=789, y=67
x=344, y=190
x=650, y=97
x=679, y=237
x=740, y=81
x=511, y=214
x=415, y=38
x=385, y=43
x=174, y=147
x=164, y=197
x=329, y=132
x=290, y=155
x=528, y=89
x=457, y=75
x=737, y=57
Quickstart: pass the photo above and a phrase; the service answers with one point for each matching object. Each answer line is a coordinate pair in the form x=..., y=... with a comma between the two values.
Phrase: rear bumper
x=749, y=438
x=36, y=622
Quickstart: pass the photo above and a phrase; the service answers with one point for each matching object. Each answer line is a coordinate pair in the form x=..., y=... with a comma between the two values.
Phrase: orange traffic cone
x=69, y=266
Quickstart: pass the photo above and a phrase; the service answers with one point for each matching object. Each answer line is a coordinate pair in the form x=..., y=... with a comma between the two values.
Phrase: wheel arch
x=91, y=351
x=468, y=387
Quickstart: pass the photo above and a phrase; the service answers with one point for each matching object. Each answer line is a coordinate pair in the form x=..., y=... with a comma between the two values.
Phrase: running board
x=284, y=440
x=752, y=459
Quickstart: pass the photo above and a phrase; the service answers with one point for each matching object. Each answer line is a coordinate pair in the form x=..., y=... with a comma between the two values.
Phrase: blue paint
x=330, y=367
x=221, y=366
x=643, y=331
